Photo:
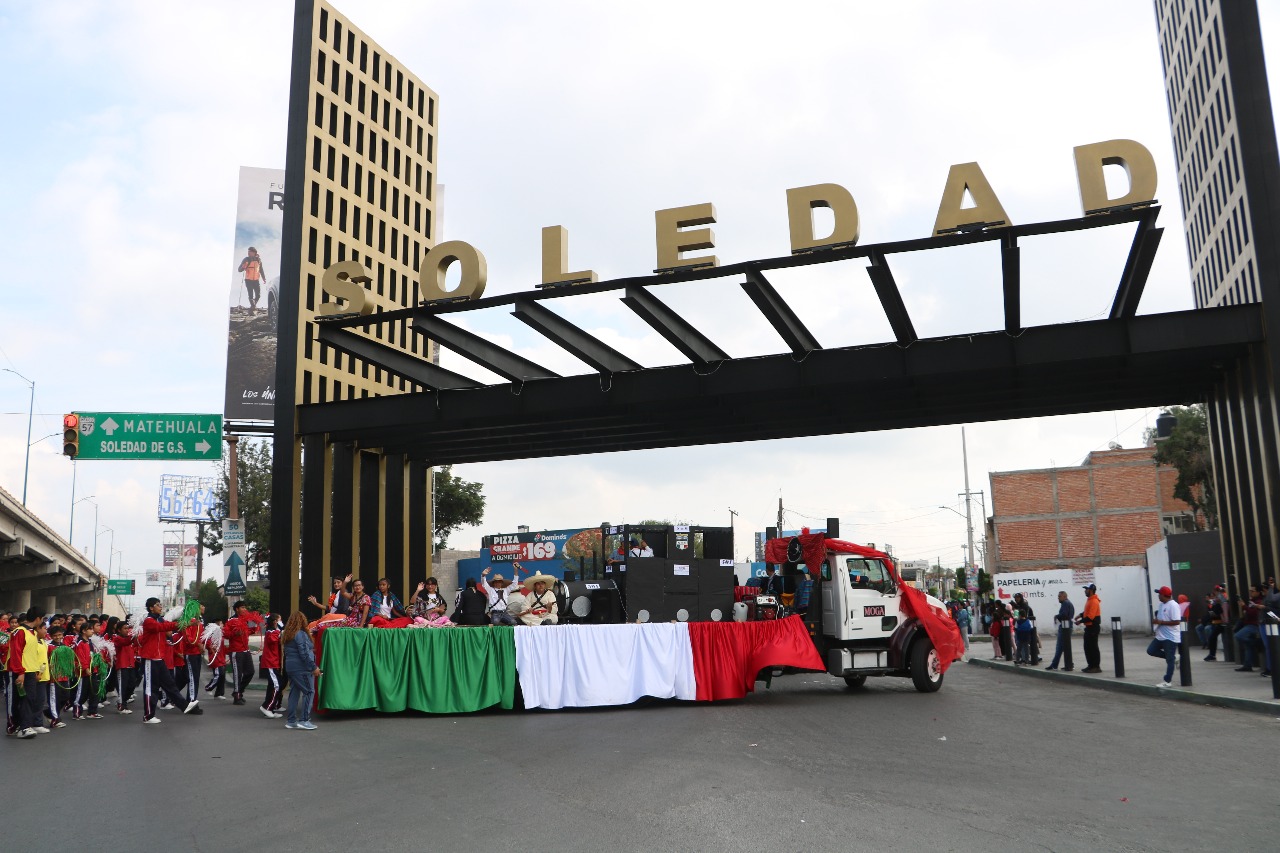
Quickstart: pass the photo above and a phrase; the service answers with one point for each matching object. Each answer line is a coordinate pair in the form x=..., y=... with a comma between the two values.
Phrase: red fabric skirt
x=728, y=655
x=382, y=622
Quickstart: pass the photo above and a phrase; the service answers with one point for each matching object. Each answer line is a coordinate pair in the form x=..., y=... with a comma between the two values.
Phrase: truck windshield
x=866, y=573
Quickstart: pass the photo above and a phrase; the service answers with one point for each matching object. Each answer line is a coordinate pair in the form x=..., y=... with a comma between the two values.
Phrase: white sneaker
x=40, y=730
x=58, y=724
x=1164, y=684
x=24, y=733
x=191, y=706
x=124, y=711
x=151, y=721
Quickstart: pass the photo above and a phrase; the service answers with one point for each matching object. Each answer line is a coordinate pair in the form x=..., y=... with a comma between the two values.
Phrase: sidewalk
x=1213, y=682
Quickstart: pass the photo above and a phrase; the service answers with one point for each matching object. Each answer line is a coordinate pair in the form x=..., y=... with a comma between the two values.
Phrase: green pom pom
x=63, y=664
x=190, y=613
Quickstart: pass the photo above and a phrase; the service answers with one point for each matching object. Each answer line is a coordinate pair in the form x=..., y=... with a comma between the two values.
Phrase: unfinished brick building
x=1106, y=512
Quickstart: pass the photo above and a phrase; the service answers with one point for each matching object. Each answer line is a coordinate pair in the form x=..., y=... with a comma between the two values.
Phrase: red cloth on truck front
x=728, y=655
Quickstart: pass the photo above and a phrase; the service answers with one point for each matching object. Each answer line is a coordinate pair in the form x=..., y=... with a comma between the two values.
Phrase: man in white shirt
x=1168, y=623
x=496, y=590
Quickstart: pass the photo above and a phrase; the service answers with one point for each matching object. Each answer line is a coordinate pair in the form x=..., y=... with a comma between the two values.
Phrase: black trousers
x=193, y=676
x=1092, y=657
x=275, y=689
x=217, y=680
x=157, y=679
x=126, y=681
x=241, y=673
x=33, y=703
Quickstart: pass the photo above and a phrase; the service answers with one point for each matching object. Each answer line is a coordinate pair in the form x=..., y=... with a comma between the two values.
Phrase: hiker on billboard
x=254, y=275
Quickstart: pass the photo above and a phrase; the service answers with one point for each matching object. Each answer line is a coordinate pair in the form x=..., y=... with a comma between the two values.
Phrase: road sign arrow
x=109, y=426
x=202, y=446
x=235, y=562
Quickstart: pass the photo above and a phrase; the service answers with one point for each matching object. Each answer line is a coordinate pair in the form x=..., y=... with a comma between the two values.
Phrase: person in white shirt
x=496, y=590
x=1168, y=624
x=639, y=548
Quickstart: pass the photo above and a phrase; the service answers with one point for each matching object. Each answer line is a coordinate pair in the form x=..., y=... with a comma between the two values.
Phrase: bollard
x=1228, y=642
x=1006, y=638
x=1117, y=645
x=1272, y=629
x=1184, y=657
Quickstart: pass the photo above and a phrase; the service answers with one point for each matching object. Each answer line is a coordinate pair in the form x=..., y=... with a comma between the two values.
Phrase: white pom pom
x=104, y=648
x=212, y=635
x=173, y=614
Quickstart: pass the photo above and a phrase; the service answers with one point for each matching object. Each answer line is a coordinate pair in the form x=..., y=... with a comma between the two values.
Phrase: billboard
x=186, y=498
x=176, y=555
x=254, y=296
x=157, y=578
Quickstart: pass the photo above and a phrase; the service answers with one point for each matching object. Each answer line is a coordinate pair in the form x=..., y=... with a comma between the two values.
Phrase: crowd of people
x=1240, y=622
x=63, y=667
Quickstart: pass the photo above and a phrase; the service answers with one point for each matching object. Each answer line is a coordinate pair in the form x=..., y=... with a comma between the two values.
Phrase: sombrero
x=549, y=580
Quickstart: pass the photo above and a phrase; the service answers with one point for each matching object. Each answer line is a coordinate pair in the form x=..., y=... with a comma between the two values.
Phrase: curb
x=1177, y=694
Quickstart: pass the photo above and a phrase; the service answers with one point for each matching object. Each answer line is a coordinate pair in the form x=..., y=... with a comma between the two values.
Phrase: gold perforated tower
x=360, y=185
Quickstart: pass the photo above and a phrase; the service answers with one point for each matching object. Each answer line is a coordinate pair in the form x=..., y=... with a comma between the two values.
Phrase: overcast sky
x=128, y=122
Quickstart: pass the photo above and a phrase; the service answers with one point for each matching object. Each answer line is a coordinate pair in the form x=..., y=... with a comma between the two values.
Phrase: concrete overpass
x=38, y=567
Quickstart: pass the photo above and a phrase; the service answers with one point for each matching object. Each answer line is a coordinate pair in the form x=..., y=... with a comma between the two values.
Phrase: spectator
x=1219, y=613
x=962, y=618
x=1248, y=636
x=1091, y=619
x=1168, y=622
x=1205, y=626
x=300, y=666
x=1020, y=602
x=1026, y=631
x=772, y=581
x=1063, y=620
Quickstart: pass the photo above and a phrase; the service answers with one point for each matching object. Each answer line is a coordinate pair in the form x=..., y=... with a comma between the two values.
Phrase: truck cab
x=863, y=625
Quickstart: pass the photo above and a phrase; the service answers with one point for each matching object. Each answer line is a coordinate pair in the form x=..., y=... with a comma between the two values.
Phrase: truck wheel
x=855, y=682
x=925, y=671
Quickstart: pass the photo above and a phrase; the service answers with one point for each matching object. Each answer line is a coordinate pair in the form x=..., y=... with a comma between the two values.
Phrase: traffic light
x=71, y=435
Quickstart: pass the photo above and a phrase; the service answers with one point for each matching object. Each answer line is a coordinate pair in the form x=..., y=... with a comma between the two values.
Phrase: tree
x=207, y=593
x=1187, y=449
x=962, y=581
x=985, y=586
x=258, y=599
x=253, y=475
x=458, y=502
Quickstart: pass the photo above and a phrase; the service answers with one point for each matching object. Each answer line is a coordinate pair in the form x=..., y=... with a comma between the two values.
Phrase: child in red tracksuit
x=89, y=681
x=191, y=647
x=126, y=661
x=59, y=688
x=272, y=664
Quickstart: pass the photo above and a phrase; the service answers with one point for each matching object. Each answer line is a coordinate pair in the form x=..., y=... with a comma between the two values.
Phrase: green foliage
x=458, y=502
x=985, y=585
x=1187, y=449
x=253, y=474
x=258, y=599
x=933, y=590
x=962, y=581
x=215, y=605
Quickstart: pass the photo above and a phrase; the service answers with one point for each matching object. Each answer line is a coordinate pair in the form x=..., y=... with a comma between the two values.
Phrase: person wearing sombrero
x=496, y=590
x=540, y=603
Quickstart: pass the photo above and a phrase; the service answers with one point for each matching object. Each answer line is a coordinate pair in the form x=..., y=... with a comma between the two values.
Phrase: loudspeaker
x=592, y=603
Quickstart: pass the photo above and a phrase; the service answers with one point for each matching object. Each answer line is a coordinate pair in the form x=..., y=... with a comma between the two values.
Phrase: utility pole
x=732, y=514
x=779, y=515
x=968, y=504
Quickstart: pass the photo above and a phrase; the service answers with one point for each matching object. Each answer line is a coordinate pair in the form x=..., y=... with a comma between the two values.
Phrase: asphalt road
x=990, y=763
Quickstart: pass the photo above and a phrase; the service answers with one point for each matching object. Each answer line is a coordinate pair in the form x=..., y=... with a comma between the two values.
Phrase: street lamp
x=733, y=513
x=31, y=408
x=72, y=528
x=111, y=546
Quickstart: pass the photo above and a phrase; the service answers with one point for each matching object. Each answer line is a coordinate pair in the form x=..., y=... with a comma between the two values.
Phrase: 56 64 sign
x=184, y=498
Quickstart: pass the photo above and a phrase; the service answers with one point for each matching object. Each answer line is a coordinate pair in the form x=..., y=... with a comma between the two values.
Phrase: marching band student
x=126, y=660
x=191, y=647
x=238, y=650
x=59, y=690
x=155, y=677
x=217, y=650
x=89, y=680
x=272, y=664
x=27, y=655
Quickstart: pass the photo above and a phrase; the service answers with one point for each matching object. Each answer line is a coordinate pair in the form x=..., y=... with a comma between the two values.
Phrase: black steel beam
x=1011, y=274
x=891, y=300
x=569, y=337
x=779, y=313
x=1147, y=360
x=477, y=349
x=679, y=332
x=395, y=361
x=1142, y=253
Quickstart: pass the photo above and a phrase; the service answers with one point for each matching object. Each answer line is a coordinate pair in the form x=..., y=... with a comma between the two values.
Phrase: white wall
x=1125, y=592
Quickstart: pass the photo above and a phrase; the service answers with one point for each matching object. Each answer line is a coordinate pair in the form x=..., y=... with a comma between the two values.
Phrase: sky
x=129, y=122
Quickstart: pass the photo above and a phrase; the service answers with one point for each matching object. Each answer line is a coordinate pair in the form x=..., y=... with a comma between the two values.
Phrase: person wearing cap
x=1168, y=622
x=639, y=548
x=541, y=608
x=1219, y=608
x=496, y=591
x=1091, y=619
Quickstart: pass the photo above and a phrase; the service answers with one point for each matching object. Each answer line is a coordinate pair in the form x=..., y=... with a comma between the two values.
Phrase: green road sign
x=134, y=435
x=120, y=587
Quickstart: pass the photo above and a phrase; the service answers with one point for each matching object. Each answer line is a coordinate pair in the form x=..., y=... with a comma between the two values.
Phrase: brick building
x=1106, y=512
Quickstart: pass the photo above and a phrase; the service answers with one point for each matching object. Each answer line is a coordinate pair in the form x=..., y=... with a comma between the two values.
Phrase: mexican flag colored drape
x=454, y=670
